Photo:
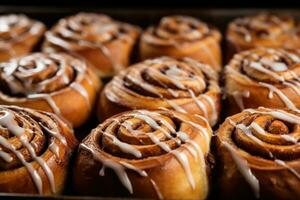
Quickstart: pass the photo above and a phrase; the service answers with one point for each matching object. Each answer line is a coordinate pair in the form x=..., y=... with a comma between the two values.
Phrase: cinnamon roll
x=145, y=154
x=257, y=152
x=54, y=82
x=262, y=30
x=35, y=147
x=183, y=84
x=18, y=35
x=263, y=77
x=105, y=43
x=181, y=36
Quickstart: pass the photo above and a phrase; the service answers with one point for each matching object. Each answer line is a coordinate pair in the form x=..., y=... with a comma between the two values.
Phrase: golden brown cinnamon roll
x=181, y=36
x=258, y=154
x=262, y=30
x=145, y=154
x=35, y=148
x=263, y=77
x=18, y=35
x=105, y=43
x=184, y=85
x=54, y=82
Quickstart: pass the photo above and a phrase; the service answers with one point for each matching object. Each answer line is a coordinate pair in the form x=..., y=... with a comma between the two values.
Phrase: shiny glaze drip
x=8, y=121
x=279, y=114
x=244, y=169
x=150, y=118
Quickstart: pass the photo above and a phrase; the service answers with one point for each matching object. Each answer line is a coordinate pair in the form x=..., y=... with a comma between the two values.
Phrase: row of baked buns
x=150, y=150
x=108, y=44
x=159, y=154
x=64, y=84
x=154, y=137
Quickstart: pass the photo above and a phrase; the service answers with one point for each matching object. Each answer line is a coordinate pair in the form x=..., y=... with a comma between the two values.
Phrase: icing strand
x=280, y=94
x=82, y=91
x=279, y=114
x=5, y=156
x=156, y=188
x=8, y=121
x=283, y=164
x=50, y=101
x=118, y=168
x=238, y=97
x=199, y=103
x=244, y=169
x=33, y=172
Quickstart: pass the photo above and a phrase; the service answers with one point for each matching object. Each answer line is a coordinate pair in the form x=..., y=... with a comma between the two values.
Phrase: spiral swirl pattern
x=177, y=29
x=269, y=134
x=264, y=25
x=182, y=36
x=88, y=29
x=39, y=73
x=262, y=143
x=30, y=139
x=14, y=28
x=267, y=65
x=273, y=73
x=46, y=77
x=166, y=82
x=136, y=140
x=145, y=134
x=105, y=43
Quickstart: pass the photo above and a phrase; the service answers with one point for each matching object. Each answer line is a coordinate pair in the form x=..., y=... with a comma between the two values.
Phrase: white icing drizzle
x=104, y=31
x=180, y=156
x=279, y=114
x=210, y=101
x=275, y=66
x=7, y=120
x=55, y=134
x=117, y=167
x=54, y=148
x=176, y=106
x=152, y=123
x=248, y=132
x=132, y=167
x=259, y=67
x=33, y=172
x=157, y=116
x=128, y=126
x=5, y=156
x=119, y=170
x=257, y=128
x=183, y=160
x=294, y=85
x=202, y=130
x=157, y=190
x=82, y=91
x=126, y=148
x=244, y=169
x=289, y=138
x=50, y=101
x=283, y=164
x=280, y=94
x=238, y=97
x=199, y=103
x=172, y=74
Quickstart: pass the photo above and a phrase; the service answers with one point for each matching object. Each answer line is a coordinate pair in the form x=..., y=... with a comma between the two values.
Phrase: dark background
x=159, y=3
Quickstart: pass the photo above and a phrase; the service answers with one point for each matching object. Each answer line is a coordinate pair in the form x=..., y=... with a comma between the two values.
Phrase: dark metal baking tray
x=143, y=17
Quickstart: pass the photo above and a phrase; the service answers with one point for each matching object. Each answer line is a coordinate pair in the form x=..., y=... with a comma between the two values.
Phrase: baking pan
x=143, y=17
